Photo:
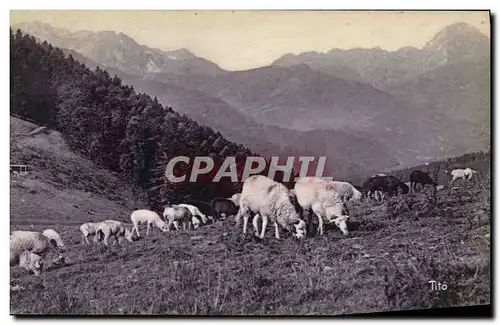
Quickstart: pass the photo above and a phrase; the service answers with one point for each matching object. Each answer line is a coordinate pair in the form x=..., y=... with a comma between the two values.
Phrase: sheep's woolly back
x=311, y=190
x=31, y=241
x=194, y=211
x=144, y=215
x=111, y=227
x=266, y=197
x=177, y=213
x=89, y=228
x=53, y=236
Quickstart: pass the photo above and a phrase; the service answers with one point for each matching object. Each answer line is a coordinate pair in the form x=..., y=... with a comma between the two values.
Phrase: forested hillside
x=110, y=123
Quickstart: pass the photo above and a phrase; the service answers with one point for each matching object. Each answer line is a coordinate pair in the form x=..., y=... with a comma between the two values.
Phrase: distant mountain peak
x=459, y=41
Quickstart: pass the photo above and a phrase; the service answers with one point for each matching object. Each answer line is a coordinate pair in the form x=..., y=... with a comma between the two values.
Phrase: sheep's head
x=196, y=222
x=162, y=225
x=129, y=235
x=357, y=195
x=341, y=223
x=300, y=229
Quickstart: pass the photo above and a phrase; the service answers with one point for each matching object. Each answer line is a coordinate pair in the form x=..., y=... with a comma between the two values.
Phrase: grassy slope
x=384, y=264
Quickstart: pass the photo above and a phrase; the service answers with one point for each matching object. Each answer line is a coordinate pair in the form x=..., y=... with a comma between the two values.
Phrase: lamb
x=466, y=174
x=109, y=228
x=54, y=238
x=146, y=216
x=31, y=262
x=88, y=229
x=194, y=211
x=34, y=242
x=271, y=200
x=320, y=196
x=175, y=214
x=224, y=207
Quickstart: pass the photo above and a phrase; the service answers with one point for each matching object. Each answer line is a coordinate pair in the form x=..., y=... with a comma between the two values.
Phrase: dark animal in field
x=385, y=184
x=222, y=206
x=419, y=177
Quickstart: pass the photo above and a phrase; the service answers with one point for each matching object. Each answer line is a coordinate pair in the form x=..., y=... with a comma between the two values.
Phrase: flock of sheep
x=262, y=200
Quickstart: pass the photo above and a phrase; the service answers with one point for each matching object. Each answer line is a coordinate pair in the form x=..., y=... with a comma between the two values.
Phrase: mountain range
x=366, y=109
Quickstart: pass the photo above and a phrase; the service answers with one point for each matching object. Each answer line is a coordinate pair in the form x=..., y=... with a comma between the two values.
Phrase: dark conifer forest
x=114, y=126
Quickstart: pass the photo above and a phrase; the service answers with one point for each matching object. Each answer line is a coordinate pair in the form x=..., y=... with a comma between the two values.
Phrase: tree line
x=108, y=122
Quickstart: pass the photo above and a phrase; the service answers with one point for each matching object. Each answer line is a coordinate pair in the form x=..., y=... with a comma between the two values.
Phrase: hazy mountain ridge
x=385, y=69
x=338, y=146
x=333, y=91
x=120, y=51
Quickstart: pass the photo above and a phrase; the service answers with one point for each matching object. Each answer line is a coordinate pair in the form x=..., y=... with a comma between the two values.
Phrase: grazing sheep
x=109, y=228
x=88, y=229
x=195, y=211
x=224, y=207
x=54, y=238
x=31, y=262
x=379, y=174
x=321, y=197
x=271, y=200
x=236, y=199
x=146, y=216
x=419, y=177
x=34, y=242
x=345, y=191
x=439, y=187
x=177, y=213
x=466, y=174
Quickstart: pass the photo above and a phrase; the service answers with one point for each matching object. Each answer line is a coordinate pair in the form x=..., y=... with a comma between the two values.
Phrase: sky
x=240, y=40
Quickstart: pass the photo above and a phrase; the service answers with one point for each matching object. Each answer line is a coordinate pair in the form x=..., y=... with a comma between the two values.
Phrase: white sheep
x=114, y=228
x=54, y=238
x=466, y=174
x=146, y=216
x=379, y=174
x=34, y=242
x=88, y=229
x=195, y=222
x=236, y=199
x=271, y=200
x=31, y=262
x=321, y=197
x=175, y=214
x=195, y=212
